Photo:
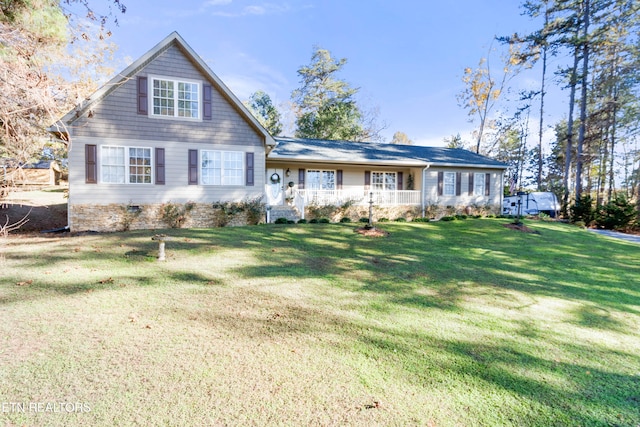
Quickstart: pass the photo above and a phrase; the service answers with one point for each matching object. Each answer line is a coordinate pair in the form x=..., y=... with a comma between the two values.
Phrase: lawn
x=462, y=323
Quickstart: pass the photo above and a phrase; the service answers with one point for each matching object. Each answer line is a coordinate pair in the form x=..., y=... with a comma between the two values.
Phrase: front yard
x=438, y=324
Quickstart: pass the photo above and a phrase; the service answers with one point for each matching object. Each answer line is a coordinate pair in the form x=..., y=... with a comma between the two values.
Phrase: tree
x=401, y=138
x=455, y=141
x=262, y=108
x=36, y=64
x=325, y=106
x=484, y=87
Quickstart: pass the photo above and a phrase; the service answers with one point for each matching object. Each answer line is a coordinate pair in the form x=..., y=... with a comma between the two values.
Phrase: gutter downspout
x=423, y=192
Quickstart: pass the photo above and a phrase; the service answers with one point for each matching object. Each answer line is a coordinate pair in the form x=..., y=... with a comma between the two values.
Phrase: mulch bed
x=371, y=232
x=520, y=227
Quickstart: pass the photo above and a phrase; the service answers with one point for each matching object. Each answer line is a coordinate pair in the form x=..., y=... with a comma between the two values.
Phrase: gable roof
x=129, y=72
x=327, y=151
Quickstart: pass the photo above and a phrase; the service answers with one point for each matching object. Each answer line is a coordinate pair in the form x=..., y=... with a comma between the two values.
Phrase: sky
x=407, y=57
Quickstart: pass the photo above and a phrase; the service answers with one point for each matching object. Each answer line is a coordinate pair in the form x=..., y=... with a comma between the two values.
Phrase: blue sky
x=406, y=56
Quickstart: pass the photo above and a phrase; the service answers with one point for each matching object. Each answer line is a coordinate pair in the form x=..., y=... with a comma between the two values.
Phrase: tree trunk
x=542, y=93
x=569, y=148
x=583, y=101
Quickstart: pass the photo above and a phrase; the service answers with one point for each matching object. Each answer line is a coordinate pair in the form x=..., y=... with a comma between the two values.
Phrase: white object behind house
x=532, y=204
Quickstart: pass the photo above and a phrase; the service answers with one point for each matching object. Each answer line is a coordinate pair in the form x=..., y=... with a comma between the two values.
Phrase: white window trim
x=335, y=182
x=476, y=181
x=242, y=175
x=444, y=184
x=384, y=182
x=126, y=165
x=175, y=80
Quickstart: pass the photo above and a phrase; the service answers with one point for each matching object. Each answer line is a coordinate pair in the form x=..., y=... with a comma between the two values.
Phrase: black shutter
x=470, y=183
x=487, y=184
x=207, y=109
x=193, y=167
x=160, y=166
x=249, y=178
x=339, y=179
x=458, y=183
x=91, y=163
x=143, y=102
x=400, y=184
x=440, y=183
x=301, y=179
x=367, y=180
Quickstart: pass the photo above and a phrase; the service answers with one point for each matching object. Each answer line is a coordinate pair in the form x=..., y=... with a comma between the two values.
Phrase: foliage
x=617, y=214
x=175, y=215
x=302, y=221
x=484, y=86
x=253, y=208
x=281, y=220
x=49, y=59
x=262, y=108
x=400, y=219
x=583, y=210
x=129, y=215
x=324, y=221
x=401, y=138
x=319, y=211
x=345, y=219
x=448, y=218
x=325, y=106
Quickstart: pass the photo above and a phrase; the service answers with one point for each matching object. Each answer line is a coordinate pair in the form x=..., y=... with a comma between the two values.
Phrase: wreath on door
x=275, y=178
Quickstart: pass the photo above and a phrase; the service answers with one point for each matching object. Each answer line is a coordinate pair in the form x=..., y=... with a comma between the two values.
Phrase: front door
x=274, y=186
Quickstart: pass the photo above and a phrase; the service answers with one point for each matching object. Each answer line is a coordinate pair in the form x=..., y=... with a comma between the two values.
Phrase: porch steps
x=288, y=212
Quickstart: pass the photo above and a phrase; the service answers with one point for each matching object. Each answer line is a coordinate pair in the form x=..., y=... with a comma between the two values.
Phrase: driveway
x=617, y=235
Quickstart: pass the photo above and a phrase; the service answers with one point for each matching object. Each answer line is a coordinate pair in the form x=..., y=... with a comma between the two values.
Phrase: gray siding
x=116, y=114
x=176, y=188
x=464, y=199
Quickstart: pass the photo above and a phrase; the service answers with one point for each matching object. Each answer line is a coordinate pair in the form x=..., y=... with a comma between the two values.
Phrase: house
x=42, y=173
x=423, y=181
x=166, y=138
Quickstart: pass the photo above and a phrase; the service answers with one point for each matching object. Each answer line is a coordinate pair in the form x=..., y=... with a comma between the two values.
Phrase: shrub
x=253, y=208
x=363, y=219
x=461, y=217
x=281, y=220
x=302, y=221
x=324, y=221
x=401, y=219
x=421, y=219
x=583, y=210
x=448, y=218
x=382, y=220
x=313, y=221
x=619, y=213
x=174, y=215
x=345, y=219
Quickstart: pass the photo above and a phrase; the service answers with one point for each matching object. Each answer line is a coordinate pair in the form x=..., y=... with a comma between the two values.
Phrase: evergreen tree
x=325, y=105
x=262, y=108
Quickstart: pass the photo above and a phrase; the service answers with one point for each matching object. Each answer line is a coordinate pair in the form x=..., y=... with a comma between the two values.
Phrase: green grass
x=449, y=323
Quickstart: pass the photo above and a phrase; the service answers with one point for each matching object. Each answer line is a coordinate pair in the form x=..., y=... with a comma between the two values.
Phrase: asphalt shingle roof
x=317, y=150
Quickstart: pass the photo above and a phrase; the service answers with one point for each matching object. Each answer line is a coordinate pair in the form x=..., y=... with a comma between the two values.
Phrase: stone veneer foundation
x=117, y=217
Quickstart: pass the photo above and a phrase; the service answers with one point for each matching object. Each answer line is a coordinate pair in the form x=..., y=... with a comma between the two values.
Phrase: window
x=120, y=165
x=222, y=168
x=173, y=98
x=321, y=180
x=449, y=184
x=383, y=181
x=478, y=184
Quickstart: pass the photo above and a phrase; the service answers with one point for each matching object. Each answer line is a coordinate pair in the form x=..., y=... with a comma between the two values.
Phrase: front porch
x=355, y=197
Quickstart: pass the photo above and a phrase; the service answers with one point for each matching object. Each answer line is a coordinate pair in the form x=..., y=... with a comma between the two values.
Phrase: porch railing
x=360, y=197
